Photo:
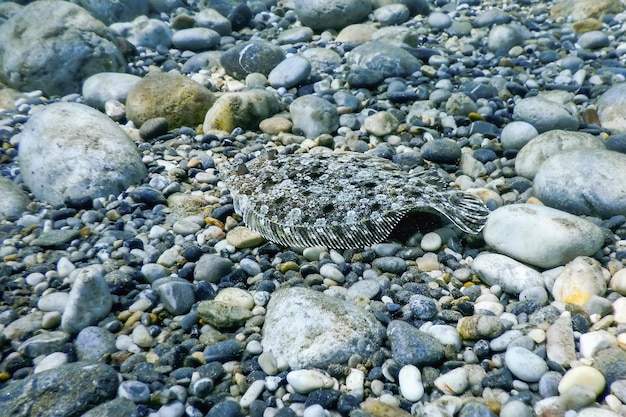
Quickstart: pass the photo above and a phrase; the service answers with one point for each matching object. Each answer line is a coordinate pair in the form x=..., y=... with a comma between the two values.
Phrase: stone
x=512, y=276
x=303, y=381
x=55, y=238
x=212, y=19
x=182, y=101
x=212, y=268
x=176, y=294
x=392, y=14
x=24, y=327
x=504, y=37
x=560, y=347
x=579, y=280
x=305, y=328
x=89, y=301
x=145, y=32
x=445, y=151
x=47, y=35
x=241, y=109
x=583, y=181
x=410, y=382
x=115, y=407
x=524, y=364
x=251, y=57
x=313, y=116
x=594, y=39
x=541, y=236
x=116, y=10
x=222, y=315
x=44, y=343
x=377, y=408
x=593, y=342
x=290, y=72
x=331, y=14
x=196, y=39
x=532, y=156
x=86, y=154
x=454, y=382
x=479, y=326
x=410, y=346
x=584, y=9
x=104, y=86
x=583, y=376
x=545, y=114
x=618, y=282
x=610, y=107
x=94, y=344
x=13, y=200
x=390, y=60
x=356, y=33
x=68, y=390
x=516, y=134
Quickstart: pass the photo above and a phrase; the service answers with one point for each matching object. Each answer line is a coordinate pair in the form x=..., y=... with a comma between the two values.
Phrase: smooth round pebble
x=524, y=364
x=410, y=381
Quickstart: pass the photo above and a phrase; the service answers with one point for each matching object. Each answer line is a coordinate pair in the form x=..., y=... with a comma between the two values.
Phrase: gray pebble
x=290, y=72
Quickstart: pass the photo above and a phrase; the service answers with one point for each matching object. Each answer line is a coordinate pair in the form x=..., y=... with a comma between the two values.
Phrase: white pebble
x=51, y=361
x=252, y=393
x=410, y=380
x=524, y=364
x=618, y=282
x=304, y=381
x=454, y=382
x=141, y=336
x=254, y=347
x=585, y=377
x=64, y=267
x=314, y=410
x=593, y=342
x=355, y=383
x=330, y=271
x=431, y=242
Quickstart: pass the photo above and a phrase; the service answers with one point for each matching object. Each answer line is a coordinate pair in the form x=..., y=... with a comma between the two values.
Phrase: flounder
x=341, y=199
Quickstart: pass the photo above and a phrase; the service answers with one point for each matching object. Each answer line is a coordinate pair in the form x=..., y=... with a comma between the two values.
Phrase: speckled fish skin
x=341, y=199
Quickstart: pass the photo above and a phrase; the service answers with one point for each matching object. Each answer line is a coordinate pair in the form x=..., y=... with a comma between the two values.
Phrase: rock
x=410, y=382
x=322, y=59
x=579, y=281
x=145, y=32
x=196, y=39
x=55, y=238
x=583, y=181
x=611, y=108
x=94, y=344
x=331, y=14
x=392, y=14
x=99, y=88
x=390, y=60
x=13, y=200
x=532, y=156
x=583, y=376
x=479, y=326
x=560, y=347
x=594, y=39
x=516, y=135
x=290, y=72
x=89, y=302
x=313, y=116
x=503, y=37
x=445, y=151
x=222, y=315
x=377, y=408
x=541, y=236
x=212, y=268
x=44, y=343
x=242, y=109
x=584, y=9
x=454, y=382
x=68, y=390
x=86, y=154
x=357, y=33
x=512, y=276
x=618, y=282
x=303, y=381
x=212, y=19
x=182, y=101
x=306, y=328
x=250, y=57
x=593, y=342
x=115, y=11
x=116, y=407
x=47, y=35
x=176, y=294
x=24, y=327
x=545, y=114
x=524, y=364
x=410, y=346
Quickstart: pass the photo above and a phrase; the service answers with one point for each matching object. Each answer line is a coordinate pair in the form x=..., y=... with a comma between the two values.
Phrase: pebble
x=331, y=14
x=89, y=300
x=610, y=109
x=251, y=57
x=592, y=342
x=524, y=364
x=583, y=377
x=510, y=275
x=560, y=347
x=304, y=381
x=517, y=134
x=479, y=326
x=579, y=280
x=196, y=39
x=441, y=150
x=211, y=268
x=313, y=116
x=290, y=72
x=454, y=382
x=381, y=124
x=557, y=236
x=545, y=114
x=410, y=346
x=410, y=381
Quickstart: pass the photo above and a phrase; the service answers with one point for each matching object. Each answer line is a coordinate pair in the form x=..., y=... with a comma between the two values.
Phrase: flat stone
x=55, y=238
x=244, y=109
x=545, y=114
x=541, y=236
x=105, y=86
x=212, y=268
x=583, y=181
x=583, y=376
x=176, y=294
x=306, y=328
x=290, y=72
x=13, y=200
x=222, y=315
x=579, y=280
x=390, y=60
x=560, y=347
x=524, y=364
x=512, y=276
x=331, y=14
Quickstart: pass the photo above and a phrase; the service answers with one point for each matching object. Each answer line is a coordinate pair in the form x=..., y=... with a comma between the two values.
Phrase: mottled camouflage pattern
x=341, y=200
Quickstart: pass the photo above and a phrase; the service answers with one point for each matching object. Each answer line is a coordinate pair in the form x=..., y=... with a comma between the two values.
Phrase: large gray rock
x=69, y=150
x=545, y=114
x=584, y=181
x=111, y=11
x=541, y=236
x=306, y=328
x=53, y=46
x=541, y=147
x=66, y=391
x=13, y=200
x=331, y=14
x=612, y=108
x=389, y=60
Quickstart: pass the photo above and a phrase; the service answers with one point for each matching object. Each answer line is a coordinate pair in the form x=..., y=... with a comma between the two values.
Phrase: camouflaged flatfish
x=341, y=200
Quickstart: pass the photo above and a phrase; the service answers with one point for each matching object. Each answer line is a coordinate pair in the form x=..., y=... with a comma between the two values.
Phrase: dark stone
x=226, y=409
x=252, y=56
x=612, y=363
x=473, y=409
x=113, y=408
x=148, y=195
x=240, y=16
x=364, y=78
x=325, y=397
x=501, y=378
x=616, y=143
x=410, y=346
x=223, y=351
x=441, y=150
x=67, y=391
x=153, y=128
